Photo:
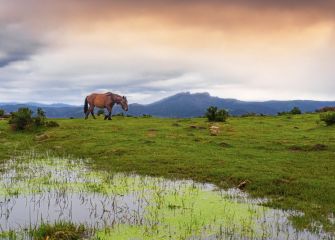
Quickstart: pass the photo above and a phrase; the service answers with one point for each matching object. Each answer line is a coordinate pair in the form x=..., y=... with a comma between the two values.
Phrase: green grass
x=290, y=159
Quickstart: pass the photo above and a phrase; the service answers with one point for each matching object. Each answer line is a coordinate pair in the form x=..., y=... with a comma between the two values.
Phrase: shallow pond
x=37, y=189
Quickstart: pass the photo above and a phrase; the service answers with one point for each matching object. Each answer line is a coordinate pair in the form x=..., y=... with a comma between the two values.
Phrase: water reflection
x=38, y=189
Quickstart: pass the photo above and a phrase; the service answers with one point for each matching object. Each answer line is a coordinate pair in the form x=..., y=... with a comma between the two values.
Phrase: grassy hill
x=290, y=159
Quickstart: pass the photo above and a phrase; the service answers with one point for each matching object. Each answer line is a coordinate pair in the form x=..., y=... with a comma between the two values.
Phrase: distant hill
x=181, y=105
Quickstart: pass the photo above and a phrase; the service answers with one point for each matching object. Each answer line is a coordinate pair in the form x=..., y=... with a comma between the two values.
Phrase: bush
x=214, y=114
x=40, y=118
x=52, y=124
x=326, y=109
x=328, y=118
x=121, y=114
x=22, y=119
x=295, y=111
x=100, y=112
x=249, y=114
x=2, y=112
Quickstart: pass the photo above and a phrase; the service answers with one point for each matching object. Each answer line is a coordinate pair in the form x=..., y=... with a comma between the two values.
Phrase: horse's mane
x=113, y=95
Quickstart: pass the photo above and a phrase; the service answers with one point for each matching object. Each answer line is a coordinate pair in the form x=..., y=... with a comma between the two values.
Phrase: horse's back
x=98, y=99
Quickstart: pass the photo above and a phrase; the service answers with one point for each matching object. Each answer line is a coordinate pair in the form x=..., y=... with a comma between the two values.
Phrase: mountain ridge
x=181, y=105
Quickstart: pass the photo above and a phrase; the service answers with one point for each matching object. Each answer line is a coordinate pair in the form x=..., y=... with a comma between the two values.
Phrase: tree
x=214, y=114
x=210, y=114
x=295, y=111
x=2, y=112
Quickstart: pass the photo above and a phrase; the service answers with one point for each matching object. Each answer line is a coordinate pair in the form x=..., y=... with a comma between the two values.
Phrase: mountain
x=190, y=105
x=181, y=105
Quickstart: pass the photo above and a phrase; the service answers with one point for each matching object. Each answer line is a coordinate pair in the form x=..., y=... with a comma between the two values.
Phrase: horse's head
x=124, y=103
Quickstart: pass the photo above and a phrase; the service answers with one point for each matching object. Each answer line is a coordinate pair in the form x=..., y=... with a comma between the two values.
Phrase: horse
x=104, y=100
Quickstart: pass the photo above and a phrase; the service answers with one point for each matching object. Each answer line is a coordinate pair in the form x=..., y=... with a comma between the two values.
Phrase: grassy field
x=290, y=159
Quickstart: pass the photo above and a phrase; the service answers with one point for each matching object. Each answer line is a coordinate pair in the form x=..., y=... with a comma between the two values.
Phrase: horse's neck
x=116, y=98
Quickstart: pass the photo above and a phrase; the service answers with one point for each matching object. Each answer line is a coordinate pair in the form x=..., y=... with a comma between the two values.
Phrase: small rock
x=41, y=137
x=214, y=130
x=242, y=184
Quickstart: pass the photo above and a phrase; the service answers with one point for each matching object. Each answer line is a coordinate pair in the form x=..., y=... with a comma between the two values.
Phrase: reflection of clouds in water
x=38, y=189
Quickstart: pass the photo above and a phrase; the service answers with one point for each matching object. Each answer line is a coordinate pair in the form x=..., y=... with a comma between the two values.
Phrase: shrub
x=295, y=111
x=249, y=114
x=326, y=109
x=121, y=114
x=328, y=118
x=40, y=118
x=146, y=116
x=214, y=114
x=52, y=124
x=22, y=119
x=2, y=112
x=100, y=112
x=282, y=113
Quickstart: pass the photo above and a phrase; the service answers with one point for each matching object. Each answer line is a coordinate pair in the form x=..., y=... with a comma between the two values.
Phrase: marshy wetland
x=43, y=189
x=125, y=179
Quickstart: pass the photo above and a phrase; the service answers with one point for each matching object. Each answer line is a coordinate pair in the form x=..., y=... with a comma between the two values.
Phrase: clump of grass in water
x=59, y=231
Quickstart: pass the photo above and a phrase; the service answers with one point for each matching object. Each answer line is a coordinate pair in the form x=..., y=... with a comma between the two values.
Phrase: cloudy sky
x=60, y=51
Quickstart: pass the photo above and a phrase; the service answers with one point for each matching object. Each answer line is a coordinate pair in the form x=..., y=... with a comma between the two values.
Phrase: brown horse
x=104, y=100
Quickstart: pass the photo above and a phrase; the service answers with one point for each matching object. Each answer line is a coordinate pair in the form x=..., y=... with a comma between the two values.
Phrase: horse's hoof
x=109, y=119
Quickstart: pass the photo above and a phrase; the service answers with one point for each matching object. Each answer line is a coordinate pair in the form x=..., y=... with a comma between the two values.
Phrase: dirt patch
x=296, y=148
x=316, y=147
x=281, y=181
x=224, y=145
x=152, y=132
x=148, y=142
x=119, y=152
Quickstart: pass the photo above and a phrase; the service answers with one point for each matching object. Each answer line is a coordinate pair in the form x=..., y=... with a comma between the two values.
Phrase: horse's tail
x=85, y=106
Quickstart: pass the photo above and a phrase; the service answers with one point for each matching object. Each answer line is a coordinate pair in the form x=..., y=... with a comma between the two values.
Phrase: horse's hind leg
x=92, y=111
x=87, y=113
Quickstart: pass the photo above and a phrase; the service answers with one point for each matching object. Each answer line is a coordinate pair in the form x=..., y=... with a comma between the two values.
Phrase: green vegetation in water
x=161, y=209
x=279, y=157
x=59, y=231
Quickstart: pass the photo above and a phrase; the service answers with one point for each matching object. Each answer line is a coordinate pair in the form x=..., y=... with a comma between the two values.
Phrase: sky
x=61, y=51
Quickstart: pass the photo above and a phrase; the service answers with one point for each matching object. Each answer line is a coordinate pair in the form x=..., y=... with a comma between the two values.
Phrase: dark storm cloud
x=16, y=44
